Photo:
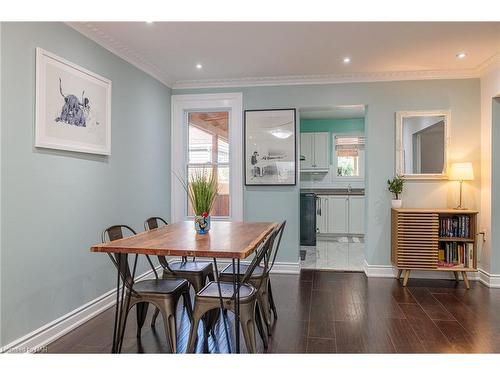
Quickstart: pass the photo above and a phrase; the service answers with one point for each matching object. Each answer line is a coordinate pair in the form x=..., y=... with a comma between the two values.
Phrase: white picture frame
x=73, y=106
x=400, y=149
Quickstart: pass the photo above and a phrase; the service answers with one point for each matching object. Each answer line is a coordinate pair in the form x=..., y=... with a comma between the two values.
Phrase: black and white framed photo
x=270, y=147
x=73, y=106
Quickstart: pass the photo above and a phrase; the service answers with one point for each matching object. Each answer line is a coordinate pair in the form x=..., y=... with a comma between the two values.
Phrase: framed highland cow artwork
x=73, y=106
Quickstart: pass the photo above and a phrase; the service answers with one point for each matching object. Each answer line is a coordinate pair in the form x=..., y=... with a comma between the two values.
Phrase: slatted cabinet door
x=416, y=240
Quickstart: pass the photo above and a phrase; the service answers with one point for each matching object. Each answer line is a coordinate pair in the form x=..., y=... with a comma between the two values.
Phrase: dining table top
x=225, y=239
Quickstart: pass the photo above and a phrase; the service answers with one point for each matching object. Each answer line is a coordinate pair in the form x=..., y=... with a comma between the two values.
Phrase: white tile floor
x=341, y=253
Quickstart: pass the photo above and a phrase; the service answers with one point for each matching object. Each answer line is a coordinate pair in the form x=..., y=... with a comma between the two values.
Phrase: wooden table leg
x=457, y=278
x=399, y=273
x=407, y=276
x=466, y=280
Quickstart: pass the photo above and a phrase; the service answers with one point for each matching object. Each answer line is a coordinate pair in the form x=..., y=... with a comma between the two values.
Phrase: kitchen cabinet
x=338, y=214
x=356, y=214
x=306, y=150
x=322, y=214
x=314, y=151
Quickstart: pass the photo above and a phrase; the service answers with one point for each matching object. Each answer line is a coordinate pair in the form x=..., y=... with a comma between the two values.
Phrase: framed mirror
x=422, y=139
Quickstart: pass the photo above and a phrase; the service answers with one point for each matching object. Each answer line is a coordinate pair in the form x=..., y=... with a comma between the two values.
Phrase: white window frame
x=181, y=105
x=362, y=162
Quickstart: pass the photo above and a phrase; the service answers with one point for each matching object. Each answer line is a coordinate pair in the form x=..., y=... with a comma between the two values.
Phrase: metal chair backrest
x=154, y=223
x=261, y=253
x=273, y=250
x=120, y=260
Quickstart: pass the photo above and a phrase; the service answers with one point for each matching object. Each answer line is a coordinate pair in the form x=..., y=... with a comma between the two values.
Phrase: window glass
x=349, y=151
x=208, y=150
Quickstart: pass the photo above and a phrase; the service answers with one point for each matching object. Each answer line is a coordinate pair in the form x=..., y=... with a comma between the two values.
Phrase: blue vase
x=202, y=224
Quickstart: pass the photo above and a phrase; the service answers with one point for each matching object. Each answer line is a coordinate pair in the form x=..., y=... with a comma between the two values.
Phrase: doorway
x=332, y=187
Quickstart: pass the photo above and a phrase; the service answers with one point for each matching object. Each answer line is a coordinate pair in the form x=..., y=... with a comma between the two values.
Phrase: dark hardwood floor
x=336, y=312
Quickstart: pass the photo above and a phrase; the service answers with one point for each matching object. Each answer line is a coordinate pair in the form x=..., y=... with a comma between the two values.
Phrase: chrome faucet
x=349, y=188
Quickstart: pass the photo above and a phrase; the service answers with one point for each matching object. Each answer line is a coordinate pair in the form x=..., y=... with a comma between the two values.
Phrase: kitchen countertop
x=333, y=191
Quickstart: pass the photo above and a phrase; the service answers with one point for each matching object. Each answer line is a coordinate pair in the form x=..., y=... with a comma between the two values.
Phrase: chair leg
x=168, y=313
x=193, y=332
x=155, y=315
x=247, y=321
x=141, y=310
x=197, y=281
x=187, y=304
x=265, y=308
x=260, y=326
x=271, y=301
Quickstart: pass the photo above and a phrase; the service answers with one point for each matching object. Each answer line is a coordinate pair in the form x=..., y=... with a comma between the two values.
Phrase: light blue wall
x=383, y=99
x=54, y=203
x=495, y=186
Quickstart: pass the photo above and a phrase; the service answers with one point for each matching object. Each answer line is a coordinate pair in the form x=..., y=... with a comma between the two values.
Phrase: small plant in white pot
x=395, y=186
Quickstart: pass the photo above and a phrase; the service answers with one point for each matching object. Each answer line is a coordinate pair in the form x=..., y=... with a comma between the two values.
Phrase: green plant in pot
x=395, y=186
x=202, y=189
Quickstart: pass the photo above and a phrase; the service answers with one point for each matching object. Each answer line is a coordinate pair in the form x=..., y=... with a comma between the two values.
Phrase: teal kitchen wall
x=55, y=204
x=382, y=99
x=332, y=126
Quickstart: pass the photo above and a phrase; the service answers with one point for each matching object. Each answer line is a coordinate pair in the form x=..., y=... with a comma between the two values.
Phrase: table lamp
x=461, y=172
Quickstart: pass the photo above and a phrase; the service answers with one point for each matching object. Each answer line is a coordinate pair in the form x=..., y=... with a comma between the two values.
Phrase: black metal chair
x=194, y=271
x=209, y=299
x=164, y=294
x=260, y=279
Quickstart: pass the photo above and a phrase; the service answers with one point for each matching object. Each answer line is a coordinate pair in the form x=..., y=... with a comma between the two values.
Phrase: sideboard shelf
x=456, y=239
x=418, y=242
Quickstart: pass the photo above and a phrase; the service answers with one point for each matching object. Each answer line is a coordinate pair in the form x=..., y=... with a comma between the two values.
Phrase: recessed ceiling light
x=347, y=60
x=199, y=66
x=149, y=21
x=461, y=55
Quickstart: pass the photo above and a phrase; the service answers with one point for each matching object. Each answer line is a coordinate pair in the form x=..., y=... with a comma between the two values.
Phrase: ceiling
x=235, y=53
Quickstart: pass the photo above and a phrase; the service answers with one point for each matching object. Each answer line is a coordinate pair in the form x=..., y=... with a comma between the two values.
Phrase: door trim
x=181, y=104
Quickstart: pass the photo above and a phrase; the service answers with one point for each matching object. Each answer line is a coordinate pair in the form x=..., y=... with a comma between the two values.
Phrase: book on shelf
x=456, y=254
x=455, y=226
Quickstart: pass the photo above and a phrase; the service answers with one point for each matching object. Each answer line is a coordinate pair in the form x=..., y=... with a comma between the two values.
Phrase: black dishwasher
x=307, y=219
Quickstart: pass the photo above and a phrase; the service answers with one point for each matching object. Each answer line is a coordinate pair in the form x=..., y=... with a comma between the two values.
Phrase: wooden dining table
x=230, y=240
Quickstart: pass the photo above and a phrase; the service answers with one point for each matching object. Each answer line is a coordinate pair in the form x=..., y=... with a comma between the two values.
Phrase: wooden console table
x=434, y=240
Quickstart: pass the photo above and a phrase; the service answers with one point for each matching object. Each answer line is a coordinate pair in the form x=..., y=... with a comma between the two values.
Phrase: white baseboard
x=489, y=280
x=286, y=268
x=390, y=271
x=38, y=339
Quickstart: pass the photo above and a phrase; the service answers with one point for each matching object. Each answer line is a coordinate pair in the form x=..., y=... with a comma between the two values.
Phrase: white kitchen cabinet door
x=307, y=150
x=338, y=214
x=322, y=214
x=356, y=215
x=321, y=157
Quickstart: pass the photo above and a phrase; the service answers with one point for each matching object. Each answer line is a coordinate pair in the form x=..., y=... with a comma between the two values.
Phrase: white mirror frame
x=400, y=150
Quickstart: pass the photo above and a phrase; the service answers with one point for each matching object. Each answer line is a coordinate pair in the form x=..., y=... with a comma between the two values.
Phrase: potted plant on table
x=395, y=186
x=202, y=189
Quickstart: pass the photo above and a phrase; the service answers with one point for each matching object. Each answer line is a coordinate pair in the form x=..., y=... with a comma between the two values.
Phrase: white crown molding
x=489, y=64
x=120, y=49
x=321, y=79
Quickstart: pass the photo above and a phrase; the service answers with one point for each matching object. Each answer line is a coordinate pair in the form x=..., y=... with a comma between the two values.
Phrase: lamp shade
x=461, y=172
